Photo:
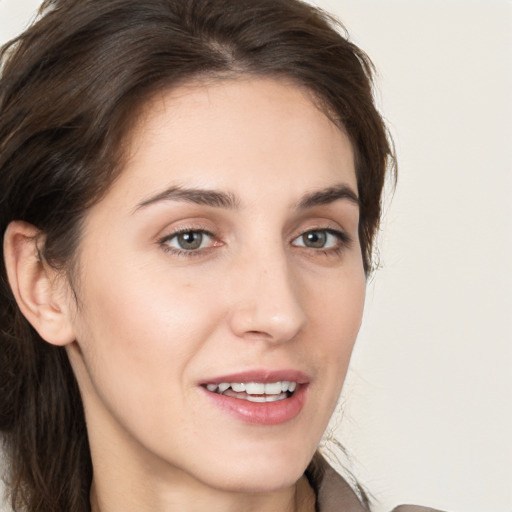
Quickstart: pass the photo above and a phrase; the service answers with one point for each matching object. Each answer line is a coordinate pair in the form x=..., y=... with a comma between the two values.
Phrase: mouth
x=260, y=392
x=259, y=397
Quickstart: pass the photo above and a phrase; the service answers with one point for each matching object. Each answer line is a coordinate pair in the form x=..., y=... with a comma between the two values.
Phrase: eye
x=188, y=240
x=321, y=239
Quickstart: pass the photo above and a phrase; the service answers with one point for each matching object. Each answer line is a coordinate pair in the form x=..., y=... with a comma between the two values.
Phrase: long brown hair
x=70, y=88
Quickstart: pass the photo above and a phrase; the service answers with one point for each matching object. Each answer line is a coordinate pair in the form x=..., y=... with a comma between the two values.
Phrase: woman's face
x=227, y=252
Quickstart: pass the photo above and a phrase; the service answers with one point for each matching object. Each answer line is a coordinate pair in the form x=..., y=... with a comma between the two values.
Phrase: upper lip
x=261, y=375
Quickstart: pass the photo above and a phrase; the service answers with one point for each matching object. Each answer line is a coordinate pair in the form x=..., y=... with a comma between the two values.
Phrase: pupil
x=190, y=240
x=315, y=239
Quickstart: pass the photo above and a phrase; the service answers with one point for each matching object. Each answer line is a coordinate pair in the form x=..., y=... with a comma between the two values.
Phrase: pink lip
x=261, y=376
x=266, y=413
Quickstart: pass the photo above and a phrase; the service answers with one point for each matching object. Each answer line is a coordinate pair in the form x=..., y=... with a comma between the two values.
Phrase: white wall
x=14, y=16
x=428, y=403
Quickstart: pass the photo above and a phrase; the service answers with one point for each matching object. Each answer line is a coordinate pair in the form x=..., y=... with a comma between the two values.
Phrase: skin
x=153, y=323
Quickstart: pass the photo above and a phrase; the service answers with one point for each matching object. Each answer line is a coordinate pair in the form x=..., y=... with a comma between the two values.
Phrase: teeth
x=223, y=386
x=266, y=398
x=255, y=388
x=273, y=388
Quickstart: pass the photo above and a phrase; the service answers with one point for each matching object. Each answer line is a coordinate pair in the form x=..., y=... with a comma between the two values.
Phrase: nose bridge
x=268, y=302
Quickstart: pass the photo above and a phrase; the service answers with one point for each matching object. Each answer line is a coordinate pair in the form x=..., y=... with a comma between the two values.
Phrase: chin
x=257, y=482
x=262, y=472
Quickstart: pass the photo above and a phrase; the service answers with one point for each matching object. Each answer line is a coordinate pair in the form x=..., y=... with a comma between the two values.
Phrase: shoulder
x=414, y=508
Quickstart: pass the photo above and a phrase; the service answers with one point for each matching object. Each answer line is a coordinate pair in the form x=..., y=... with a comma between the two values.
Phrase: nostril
x=257, y=335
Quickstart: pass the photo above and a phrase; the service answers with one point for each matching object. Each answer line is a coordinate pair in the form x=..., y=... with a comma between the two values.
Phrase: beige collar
x=334, y=494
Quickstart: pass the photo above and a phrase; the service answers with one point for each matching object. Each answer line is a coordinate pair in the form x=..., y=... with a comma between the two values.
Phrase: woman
x=190, y=195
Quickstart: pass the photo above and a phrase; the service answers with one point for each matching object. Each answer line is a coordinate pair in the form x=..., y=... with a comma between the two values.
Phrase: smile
x=255, y=391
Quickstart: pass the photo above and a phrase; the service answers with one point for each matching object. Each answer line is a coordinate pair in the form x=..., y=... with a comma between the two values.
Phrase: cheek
x=140, y=330
x=337, y=307
x=335, y=319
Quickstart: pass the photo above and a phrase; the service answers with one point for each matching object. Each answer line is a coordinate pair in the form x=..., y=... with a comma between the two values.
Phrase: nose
x=268, y=305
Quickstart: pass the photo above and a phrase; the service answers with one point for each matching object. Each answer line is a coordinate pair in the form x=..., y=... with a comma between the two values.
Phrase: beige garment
x=335, y=495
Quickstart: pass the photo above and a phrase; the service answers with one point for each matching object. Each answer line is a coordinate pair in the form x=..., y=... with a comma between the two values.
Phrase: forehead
x=230, y=133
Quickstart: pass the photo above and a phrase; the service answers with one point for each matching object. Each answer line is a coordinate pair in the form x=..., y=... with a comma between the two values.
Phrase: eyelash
x=344, y=242
x=185, y=253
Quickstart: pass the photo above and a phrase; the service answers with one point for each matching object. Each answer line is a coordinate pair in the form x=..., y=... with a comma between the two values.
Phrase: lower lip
x=262, y=413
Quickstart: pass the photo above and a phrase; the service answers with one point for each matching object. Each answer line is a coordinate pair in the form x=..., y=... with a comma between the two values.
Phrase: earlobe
x=36, y=286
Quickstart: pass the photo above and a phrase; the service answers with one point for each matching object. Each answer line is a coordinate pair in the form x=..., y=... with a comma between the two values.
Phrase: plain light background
x=427, y=406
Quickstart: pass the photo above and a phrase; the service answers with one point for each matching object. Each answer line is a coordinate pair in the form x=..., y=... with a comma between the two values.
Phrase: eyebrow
x=214, y=198
x=327, y=196
x=220, y=199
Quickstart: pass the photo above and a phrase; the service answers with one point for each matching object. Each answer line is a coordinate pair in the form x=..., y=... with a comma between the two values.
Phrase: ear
x=38, y=289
